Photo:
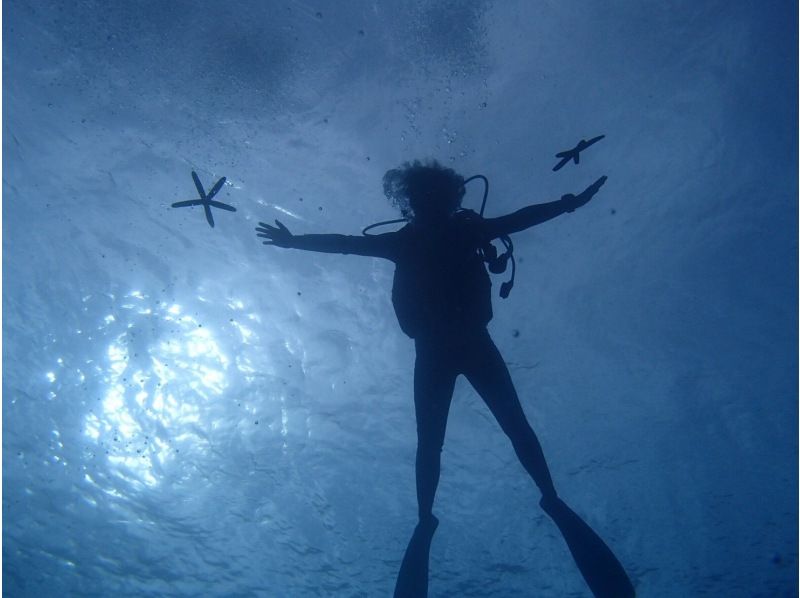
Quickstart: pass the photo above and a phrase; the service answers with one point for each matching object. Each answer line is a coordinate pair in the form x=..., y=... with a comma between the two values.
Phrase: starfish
x=205, y=200
x=574, y=153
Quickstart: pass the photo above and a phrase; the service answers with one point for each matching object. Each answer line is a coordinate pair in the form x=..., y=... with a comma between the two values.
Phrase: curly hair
x=419, y=187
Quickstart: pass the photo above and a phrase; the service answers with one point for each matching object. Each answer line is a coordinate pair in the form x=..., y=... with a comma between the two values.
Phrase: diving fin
x=600, y=568
x=412, y=581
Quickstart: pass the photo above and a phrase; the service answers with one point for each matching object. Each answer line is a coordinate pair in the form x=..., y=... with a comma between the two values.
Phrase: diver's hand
x=576, y=201
x=275, y=235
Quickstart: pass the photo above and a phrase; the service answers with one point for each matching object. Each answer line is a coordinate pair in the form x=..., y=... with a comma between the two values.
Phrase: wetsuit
x=442, y=299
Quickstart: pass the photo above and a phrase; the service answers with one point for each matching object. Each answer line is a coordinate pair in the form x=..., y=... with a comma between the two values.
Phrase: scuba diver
x=441, y=296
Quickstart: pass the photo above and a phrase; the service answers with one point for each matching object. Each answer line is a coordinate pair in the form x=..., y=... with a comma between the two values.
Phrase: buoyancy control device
x=497, y=263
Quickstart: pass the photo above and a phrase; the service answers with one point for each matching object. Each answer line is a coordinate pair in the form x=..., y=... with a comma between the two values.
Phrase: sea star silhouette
x=205, y=200
x=574, y=153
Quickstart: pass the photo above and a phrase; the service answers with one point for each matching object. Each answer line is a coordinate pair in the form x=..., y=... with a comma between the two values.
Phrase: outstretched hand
x=576, y=201
x=275, y=235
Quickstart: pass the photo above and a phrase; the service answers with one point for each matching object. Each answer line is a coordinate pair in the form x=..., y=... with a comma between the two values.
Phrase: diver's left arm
x=537, y=214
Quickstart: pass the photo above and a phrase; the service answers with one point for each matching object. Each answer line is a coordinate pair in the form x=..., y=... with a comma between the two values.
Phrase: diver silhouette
x=441, y=295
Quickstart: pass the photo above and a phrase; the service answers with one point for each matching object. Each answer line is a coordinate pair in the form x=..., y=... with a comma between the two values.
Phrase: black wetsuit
x=442, y=299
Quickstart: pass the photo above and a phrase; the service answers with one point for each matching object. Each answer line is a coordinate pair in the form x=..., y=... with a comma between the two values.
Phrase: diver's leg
x=488, y=374
x=434, y=380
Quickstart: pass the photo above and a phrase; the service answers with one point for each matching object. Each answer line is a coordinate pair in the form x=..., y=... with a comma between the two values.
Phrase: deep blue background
x=187, y=412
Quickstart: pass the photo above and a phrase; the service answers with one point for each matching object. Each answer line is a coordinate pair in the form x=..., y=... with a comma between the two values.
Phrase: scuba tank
x=497, y=264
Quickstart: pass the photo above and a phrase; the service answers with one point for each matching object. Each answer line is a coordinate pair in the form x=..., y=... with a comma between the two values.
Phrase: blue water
x=189, y=413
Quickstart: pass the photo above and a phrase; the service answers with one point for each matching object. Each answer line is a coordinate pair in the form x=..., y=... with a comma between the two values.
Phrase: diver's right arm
x=372, y=245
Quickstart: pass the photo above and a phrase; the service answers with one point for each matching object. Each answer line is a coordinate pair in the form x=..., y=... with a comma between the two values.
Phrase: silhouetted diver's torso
x=441, y=287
